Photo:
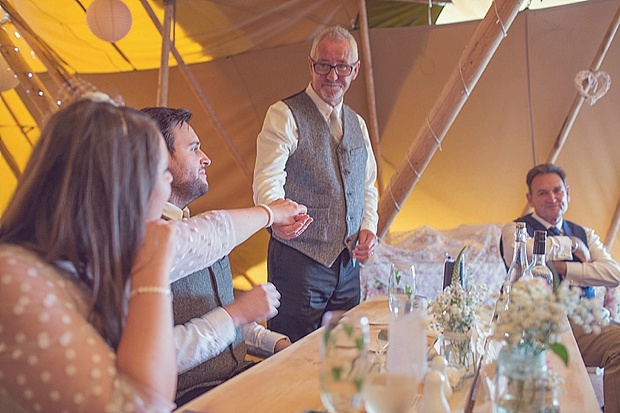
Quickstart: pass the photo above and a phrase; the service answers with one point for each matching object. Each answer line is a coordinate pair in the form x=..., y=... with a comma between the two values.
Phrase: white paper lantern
x=8, y=79
x=109, y=20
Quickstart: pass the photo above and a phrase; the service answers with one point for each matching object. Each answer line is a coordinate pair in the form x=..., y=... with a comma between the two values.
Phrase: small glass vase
x=457, y=349
x=401, y=288
x=343, y=361
x=520, y=382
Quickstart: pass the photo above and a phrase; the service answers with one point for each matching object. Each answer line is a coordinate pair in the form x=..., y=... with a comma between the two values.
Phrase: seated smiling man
x=213, y=331
x=580, y=258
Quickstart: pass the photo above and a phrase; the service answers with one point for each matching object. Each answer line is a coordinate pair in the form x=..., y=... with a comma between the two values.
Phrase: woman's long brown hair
x=82, y=198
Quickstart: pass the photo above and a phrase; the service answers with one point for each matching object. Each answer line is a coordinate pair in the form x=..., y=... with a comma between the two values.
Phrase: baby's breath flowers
x=532, y=320
x=456, y=309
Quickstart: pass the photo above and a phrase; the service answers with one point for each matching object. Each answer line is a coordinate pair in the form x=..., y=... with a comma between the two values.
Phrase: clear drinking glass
x=401, y=288
x=344, y=361
x=406, y=356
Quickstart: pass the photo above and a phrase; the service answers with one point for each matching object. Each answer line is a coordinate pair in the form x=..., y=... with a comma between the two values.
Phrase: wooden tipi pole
x=29, y=83
x=22, y=128
x=202, y=98
x=57, y=76
x=162, y=85
x=8, y=158
x=373, y=123
x=579, y=99
x=477, y=54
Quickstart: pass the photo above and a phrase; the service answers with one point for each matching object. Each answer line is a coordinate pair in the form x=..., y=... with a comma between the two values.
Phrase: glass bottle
x=519, y=257
x=518, y=265
x=538, y=268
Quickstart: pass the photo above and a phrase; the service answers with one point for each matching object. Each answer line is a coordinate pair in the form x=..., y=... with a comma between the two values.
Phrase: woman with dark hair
x=85, y=266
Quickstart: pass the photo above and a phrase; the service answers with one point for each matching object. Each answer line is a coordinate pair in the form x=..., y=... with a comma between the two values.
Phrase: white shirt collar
x=323, y=107
x=546, y=224
x=173, y=212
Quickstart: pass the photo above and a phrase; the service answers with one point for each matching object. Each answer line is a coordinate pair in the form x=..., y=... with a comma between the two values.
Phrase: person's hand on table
x=282, y=344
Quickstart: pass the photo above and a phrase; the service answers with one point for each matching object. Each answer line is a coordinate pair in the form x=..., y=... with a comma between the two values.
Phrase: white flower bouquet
x=456, y=312
x=532, y=320
x=456, y=309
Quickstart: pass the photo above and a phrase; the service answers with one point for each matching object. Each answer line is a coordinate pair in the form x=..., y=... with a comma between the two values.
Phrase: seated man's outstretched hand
x=290, y=231
x=291, y=218
x=259, y=304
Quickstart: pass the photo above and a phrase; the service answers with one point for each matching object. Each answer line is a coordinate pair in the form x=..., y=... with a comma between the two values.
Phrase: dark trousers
x=309, y=289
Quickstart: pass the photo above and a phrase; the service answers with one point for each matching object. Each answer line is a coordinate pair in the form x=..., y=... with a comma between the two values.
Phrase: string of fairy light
x=19, y=72
x=99, y=18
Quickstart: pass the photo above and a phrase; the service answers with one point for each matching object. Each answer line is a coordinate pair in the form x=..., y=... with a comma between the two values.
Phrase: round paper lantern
x=8, y=79
x=109, y=20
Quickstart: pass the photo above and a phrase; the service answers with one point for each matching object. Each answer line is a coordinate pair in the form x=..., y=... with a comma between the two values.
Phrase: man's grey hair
x=337, y=33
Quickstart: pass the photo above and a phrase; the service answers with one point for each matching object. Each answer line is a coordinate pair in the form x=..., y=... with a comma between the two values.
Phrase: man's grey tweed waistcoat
x=328, y=177
x=195, y=295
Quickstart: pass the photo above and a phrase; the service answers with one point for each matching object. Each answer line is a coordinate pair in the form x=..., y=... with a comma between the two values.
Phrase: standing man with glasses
x=315, y=150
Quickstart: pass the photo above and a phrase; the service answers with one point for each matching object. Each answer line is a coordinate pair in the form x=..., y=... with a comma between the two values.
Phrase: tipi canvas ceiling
x=509, y=122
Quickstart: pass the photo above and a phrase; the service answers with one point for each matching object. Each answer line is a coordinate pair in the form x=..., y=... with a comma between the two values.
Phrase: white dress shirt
x=207, y=336
x=603, y=270
x=278, y=141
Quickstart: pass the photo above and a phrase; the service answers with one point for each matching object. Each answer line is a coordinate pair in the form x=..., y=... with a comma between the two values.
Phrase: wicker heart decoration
x=592, y=86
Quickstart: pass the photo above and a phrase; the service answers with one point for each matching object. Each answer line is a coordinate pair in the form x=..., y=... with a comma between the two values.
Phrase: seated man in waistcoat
x=213, y=331
x=580, y=258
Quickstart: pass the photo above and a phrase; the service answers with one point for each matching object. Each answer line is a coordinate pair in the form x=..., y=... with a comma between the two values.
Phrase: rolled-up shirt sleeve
x=203, y=338
x=602, y=270
x=558, y=248
x=260, y=341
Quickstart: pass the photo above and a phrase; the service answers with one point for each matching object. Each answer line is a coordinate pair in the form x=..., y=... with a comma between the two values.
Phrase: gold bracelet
x=269, y=213
x=149, y=289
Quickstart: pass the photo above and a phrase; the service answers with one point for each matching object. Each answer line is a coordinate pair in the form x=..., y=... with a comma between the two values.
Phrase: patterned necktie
x=553, y=231
x=334, y=124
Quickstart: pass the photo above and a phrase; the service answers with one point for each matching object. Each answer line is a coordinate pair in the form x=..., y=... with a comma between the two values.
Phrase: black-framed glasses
x=341, y=69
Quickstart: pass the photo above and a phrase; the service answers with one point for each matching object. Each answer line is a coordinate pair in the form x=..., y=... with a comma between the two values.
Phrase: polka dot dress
x=51, y=358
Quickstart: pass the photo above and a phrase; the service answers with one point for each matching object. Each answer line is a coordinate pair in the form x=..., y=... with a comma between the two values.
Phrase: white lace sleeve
x=202, y=240
x=51, y=357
